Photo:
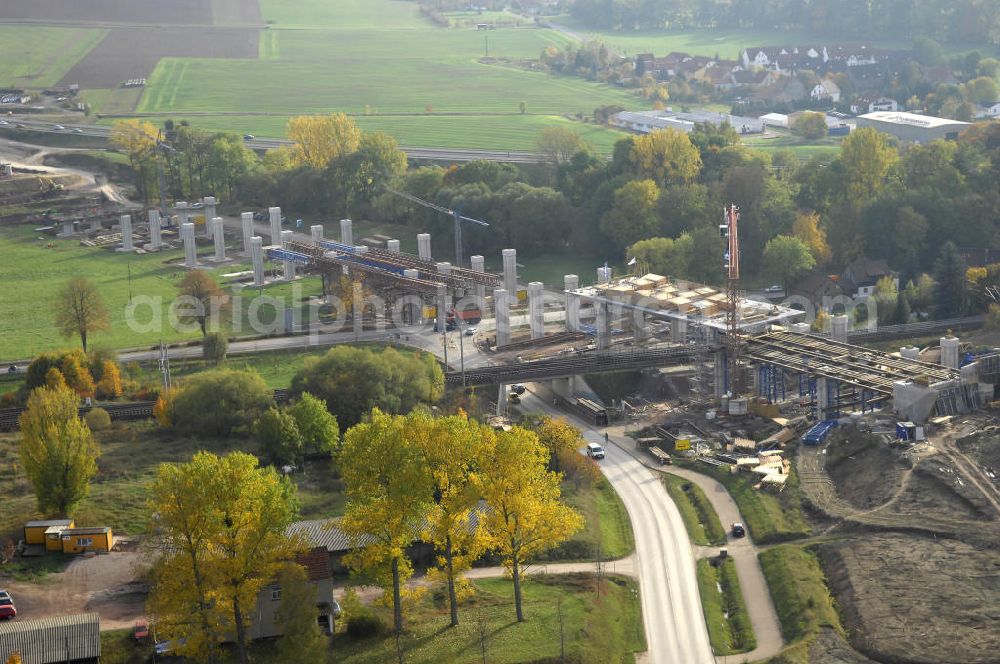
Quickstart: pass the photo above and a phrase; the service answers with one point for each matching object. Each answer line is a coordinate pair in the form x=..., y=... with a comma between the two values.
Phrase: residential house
x=324, y=533
x=816, y=288
x=264, y=622
x=871, y=105
x=63, y=640
x=784, y=90
x=820, y=59
x=990, y=109
x=859, y=278
x=826, y=90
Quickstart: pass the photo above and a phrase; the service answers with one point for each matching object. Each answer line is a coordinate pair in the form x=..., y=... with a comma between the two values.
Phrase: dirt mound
x=865, y=472
x=831, y=648
x=909, y=599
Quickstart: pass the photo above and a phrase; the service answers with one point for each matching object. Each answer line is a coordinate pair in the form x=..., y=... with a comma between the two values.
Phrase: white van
x=595, y=451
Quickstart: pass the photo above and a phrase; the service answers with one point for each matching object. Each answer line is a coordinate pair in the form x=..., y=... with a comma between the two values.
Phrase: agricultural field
x=44, y=54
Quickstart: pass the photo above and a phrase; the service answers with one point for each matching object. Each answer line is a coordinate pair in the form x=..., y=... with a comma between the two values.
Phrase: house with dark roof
x=988, y=109
x=859, y=278
x=815, y=287
x=264, y=622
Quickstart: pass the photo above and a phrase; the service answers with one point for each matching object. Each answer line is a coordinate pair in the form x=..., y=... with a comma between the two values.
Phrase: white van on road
x=595, y=451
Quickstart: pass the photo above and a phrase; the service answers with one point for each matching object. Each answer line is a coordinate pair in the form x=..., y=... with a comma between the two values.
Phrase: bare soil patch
x=185, y=12
x=984, y=449
x=865, y=472
x=909, y=599
x=935, y=490
x=236, y=12
x=134, y=52
x=107, y=584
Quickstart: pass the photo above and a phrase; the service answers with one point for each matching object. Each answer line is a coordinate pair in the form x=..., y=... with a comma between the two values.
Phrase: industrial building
x=645, y=122
x=912, y=128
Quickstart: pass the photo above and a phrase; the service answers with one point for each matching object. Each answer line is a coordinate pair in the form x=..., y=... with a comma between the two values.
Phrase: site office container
x=34, y=531
x=81, y=540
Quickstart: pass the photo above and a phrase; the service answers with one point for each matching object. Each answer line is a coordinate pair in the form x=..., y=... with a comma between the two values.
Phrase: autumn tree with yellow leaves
x=138, y=139
x=666, y=156
x=224, y=520
x=525, y=515
x=319, y=139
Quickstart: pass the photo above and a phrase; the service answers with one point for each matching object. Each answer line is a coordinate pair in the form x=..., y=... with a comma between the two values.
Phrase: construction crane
x=165, y=151
x=456, y=214
x=730, y=231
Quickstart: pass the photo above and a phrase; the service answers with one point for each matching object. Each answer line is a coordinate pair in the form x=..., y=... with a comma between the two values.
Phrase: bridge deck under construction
x=855, y=365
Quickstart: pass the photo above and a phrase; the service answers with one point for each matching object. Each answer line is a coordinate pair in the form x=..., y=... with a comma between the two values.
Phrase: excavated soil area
x=134, y=52
x=936, y=490
x=984, y=449
x=865, y=472
x=920, y=600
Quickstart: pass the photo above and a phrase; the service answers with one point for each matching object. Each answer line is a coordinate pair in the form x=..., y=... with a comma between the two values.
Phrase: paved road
x=671, y=605
x=437, y=154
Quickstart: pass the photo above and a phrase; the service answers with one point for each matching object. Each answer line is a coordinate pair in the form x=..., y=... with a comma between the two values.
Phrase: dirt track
x=106, y=584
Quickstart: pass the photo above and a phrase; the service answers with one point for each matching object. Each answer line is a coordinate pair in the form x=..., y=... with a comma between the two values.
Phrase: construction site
x=891, y=457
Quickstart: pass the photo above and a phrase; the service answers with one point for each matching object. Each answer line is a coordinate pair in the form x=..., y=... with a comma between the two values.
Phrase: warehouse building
x=912, y=128
x=67, y=639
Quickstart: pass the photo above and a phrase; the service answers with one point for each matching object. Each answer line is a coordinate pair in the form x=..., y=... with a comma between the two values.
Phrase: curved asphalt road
x=671, y=605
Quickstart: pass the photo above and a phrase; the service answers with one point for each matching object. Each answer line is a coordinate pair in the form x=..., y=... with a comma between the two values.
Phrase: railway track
x=133, y=410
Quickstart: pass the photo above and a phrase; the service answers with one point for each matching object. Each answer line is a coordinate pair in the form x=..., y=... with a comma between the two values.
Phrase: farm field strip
x=43, y=54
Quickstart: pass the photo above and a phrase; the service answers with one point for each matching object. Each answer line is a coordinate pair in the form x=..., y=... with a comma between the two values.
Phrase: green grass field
x=722, y=602
x=606, y=629
x=26, y=313
x=37, y=57
x=700, y=519
x=342, y=14
x=798, y=588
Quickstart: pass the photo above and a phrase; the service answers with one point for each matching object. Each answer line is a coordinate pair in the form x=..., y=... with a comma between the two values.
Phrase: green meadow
x=38, y=56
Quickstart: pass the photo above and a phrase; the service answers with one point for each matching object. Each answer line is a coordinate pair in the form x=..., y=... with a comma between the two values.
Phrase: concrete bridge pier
x=208, y=207
x=536, y=309
x=603, y=325
x=424, y=246
x=257, y=255
x=274, y=216
x=570, y=283
x=219, y=238
x=479, y=265
x=510, y=271
x=502, y=305
x=155, y=235
x=289, y=266
x=316, y=233
x=246, y=220
x=190, y=249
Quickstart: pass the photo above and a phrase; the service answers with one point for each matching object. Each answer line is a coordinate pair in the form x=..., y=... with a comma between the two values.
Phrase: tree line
x=963, y=21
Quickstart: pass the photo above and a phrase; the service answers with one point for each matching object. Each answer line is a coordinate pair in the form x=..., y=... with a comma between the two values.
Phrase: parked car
x=77, y=130
x=517, y=388
x=513, y=398
x=4, y=123
x=739, y=530
x=775, y=288
x=4, y=594
x=58, y=127
x=595, y=451
x=7, y=608
x=248, y=137
x=470, y=331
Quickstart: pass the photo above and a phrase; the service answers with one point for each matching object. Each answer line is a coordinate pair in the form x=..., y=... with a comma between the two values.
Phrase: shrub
x=218, y=401
x=214, y=348
x=364, y=625
x=98, y=419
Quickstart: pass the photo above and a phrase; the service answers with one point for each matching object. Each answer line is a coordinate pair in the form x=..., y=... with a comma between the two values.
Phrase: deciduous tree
x=200, y=300
x=810, y=125
x=633, y=216
x=389, y=492
x=867, y=158
x=526, y=515
x=301, y=640
x=559, y=144
x=218, y=401
x=450, y=447
x=667, y=156
x=787, y=257
x=318, y=428
x=279, y=435
x=663, y=255
x=57, y=450
x=806, y=228
x=949, y=272
x=79, y=310
x=319, y=139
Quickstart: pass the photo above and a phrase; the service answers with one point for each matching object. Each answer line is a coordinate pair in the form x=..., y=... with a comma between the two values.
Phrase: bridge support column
x=719, y=378
x=155, y=235
x=316, y=231
x=274, y=216
x=479, y=265
x=838, y=328
x=126, y=226
x=190, y=251
x=358, y=308
x=442, y=308
x=502, y=306
x=640, y=330
x=347, y=232
x=208, y=207
x=679, y=330
x=424, y=246
x=246, y=221
x=257, y=256
x=289, y=266
x=510, y=272
x=950, y=356
x=570, y=283
x=822, y=398
x=536, y=309
x=603, y=325
x=392, y=246
x=603, y=275
x=219, y=235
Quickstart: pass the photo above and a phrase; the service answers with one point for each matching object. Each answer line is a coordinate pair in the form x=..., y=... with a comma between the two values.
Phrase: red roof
x=317, y=563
